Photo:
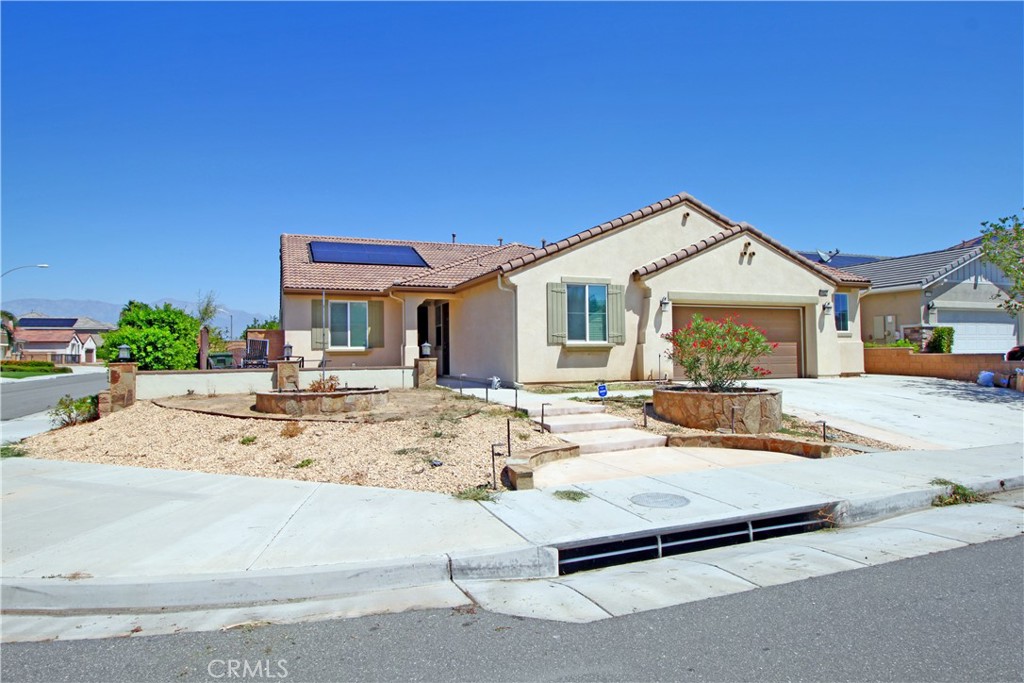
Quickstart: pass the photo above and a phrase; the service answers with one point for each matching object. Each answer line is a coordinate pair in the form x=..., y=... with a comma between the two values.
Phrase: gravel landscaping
x=396, y=447
x=395, y=453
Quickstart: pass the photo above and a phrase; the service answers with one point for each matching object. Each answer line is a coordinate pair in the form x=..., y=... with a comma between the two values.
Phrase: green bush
x=159, y=338
x=26, y=365
x=941, y=340
x=898, y=344
x=71, y=411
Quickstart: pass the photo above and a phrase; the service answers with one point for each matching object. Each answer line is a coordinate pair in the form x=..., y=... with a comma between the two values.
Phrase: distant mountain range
x=109, y=313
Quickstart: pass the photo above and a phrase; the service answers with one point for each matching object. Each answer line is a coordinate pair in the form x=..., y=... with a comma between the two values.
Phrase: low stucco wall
x=163, y=383
x=961, y=366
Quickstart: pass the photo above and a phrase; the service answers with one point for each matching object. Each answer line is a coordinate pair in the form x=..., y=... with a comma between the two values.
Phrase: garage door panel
x=980, y=331
x=781, y=326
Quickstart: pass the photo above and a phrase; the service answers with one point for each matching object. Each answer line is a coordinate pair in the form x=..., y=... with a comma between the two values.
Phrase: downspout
x=640, y=369
x=323, y=321
x=401, y=329
x=515, y=327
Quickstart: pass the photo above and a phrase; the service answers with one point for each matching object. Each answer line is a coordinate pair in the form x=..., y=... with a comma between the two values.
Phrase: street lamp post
x=34, y=265
x=231, y=319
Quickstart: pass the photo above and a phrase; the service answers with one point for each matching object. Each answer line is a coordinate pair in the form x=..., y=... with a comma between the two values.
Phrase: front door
x=441, y=337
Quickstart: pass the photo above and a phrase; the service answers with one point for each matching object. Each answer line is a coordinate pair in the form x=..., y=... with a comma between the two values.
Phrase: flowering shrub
x=718, y=353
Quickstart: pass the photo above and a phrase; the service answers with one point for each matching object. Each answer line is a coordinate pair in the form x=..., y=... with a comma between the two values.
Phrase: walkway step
x=562, y=408
x=558, y=424
x=606, y=440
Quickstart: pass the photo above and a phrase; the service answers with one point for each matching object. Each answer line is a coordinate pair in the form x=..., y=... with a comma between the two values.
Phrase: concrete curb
x=60, y=596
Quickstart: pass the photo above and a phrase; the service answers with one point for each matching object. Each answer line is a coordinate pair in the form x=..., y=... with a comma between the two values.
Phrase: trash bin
x=221, y=360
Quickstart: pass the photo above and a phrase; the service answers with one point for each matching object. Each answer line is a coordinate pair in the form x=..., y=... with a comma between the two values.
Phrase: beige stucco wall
x=906, y=306
x=715, y=276
x=481, y=326
x=296, y=320
x=719, y=276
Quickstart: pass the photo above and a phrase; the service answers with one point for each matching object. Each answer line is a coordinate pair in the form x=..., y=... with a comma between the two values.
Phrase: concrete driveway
x=917, y=412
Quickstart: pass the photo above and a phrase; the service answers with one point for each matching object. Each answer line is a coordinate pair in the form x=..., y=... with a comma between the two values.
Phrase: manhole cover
x=660, y=500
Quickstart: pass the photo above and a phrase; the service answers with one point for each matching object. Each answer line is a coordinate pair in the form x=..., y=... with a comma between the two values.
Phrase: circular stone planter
x=321, y=403
x=756, y=410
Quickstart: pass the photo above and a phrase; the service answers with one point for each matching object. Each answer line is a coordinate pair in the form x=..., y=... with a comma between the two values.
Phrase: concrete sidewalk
x=104, y=540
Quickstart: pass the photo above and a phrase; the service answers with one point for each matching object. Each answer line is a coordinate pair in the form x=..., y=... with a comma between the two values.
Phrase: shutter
x=375, y=336
x=616, y=314
x=318, y=333
x=556, y=313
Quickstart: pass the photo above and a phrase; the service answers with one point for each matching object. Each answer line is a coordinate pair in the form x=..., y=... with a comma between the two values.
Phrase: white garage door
x=980, y=331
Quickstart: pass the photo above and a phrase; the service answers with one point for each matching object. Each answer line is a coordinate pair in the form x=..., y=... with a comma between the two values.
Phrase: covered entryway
x=980, y=331
x=782, y=326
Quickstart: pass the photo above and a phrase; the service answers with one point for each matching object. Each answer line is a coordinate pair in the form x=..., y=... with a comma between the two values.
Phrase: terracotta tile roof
x=615, y=224
x=449, y=264
x=832, y=274
x=43, y=336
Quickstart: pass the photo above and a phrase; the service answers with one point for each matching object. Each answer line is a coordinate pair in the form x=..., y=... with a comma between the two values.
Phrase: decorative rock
x=316, y=403
x=756, y=410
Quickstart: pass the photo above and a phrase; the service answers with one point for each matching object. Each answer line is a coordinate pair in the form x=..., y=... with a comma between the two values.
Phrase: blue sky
x=154, y=150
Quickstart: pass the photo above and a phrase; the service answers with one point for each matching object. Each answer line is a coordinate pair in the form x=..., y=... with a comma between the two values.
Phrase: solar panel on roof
x=47, y=322
x=366, y=254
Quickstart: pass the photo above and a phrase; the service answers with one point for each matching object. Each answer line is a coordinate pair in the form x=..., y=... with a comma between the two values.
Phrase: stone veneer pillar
x=286, y=376
x=426, y=373
x=122, y=385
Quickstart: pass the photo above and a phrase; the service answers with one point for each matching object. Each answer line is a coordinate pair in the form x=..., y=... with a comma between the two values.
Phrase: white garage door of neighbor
x=980, y=331
x=782, y=326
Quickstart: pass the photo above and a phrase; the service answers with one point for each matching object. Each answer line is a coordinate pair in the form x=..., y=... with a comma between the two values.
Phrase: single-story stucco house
x=61, y=340
x=591, y=306
x=957, y=287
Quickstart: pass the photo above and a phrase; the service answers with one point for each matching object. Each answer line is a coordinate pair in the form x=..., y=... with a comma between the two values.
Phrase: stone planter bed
x=748, y=411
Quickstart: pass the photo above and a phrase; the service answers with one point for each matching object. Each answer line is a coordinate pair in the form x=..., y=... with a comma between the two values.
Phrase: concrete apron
x=533, y=525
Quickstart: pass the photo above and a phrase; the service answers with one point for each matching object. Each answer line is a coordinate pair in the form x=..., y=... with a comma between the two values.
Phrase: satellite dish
x=825, y=258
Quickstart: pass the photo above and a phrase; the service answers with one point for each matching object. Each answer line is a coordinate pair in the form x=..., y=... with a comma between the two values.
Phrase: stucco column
x=410, y=349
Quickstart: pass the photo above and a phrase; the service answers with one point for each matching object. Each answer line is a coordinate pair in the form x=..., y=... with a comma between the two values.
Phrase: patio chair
x=256, y=352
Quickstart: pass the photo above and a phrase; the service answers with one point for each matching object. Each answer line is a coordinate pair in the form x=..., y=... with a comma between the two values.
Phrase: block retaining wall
x=961, y=366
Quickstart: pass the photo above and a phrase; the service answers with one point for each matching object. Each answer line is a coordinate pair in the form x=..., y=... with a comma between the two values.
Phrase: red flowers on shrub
x=717, y=354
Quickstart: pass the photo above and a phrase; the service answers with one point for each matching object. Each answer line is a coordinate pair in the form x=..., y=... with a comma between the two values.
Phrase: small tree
x=1003, y=246
x=159, y=338
x=717, y=354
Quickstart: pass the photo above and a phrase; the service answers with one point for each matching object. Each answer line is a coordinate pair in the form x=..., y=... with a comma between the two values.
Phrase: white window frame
x=348, y=325
x=586, y=303
x=835, y=310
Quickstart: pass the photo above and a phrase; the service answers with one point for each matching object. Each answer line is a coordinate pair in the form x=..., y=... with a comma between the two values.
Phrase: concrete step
x=605, y=440
x=558, y=424
x=562, y=408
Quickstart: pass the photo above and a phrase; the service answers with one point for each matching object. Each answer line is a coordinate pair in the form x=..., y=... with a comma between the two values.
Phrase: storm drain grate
x=677, y=542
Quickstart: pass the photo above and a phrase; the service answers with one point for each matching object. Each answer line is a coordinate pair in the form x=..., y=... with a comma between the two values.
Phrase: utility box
x=220, y=361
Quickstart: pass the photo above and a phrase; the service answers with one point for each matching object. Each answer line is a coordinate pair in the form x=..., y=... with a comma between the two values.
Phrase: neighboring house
x=837, y=259
x=61, y=340
x=954, y=287
x=591, y=306
x=6, y=338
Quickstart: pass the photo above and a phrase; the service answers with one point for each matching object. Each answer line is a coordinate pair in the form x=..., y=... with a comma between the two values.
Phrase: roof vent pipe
x=453, y=238
x=543, y=243
x=500, y=241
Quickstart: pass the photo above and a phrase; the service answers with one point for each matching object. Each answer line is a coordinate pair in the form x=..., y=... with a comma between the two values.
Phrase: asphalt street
x=27, y=397
x=951, y=616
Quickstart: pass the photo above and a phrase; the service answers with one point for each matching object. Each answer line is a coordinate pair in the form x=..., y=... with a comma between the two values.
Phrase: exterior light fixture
x=826, y=308
x=287, y=351
x=425, y=350
x=931, y=305
x=666, y=305
x=124, y=353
